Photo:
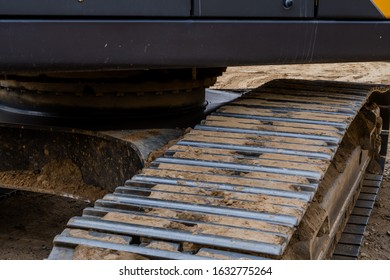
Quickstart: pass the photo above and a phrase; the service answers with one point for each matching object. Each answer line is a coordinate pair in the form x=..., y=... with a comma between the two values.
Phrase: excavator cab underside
x=43, y=35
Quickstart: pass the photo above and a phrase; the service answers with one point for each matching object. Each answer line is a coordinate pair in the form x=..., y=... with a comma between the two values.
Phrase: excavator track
x=242, y=183
x=348, y=247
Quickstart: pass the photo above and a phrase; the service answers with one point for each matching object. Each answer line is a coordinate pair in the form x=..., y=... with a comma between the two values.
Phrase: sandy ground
x=254, y=76
x=29, y=221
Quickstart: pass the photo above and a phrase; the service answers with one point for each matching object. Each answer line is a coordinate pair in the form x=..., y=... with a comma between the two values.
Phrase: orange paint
x=383, y=6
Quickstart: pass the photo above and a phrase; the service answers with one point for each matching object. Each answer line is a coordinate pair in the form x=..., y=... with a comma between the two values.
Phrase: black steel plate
x=365, y=204
x=351, y=239
x=354, y=229
x=42, y=45
x=253, y=8
x=139, y=8
x=347, y=250
x=358, y=220
x=335, y=9
x=340, y=257
x=369, y=190
x=366, y=196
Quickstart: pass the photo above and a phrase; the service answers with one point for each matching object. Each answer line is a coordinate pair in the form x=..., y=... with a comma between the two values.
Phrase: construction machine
x=107, y=101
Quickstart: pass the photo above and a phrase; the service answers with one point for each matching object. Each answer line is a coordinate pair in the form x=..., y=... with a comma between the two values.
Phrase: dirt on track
x=255, y=76
x=376, y=245
x=30, y=221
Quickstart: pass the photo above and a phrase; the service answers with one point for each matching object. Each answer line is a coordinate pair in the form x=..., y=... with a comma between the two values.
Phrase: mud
x=197, y=173
x=213, y=177
x=254, y=143
x=78, y=233
x=162, y=246
x=195, y=229
x=220, y=220
x=263, y=103
x=217, y=194
x=89, y=253
x=160, y=152
x=280, y=114
x=278, y=157
x=251, y=161
x=330, y=100
x=267, y=205
x=315, y=223
x=263, y=138
x=238, y=233
x=56, y=177
x=216, y=256
x=231, y=124
x=137, y=220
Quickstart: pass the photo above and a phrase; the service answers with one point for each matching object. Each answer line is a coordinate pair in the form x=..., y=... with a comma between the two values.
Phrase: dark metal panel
x=365, y=204
x=366, y=196
x=340, y=257
x=95, y=8
x=352, y=239
x=362, y=211
x=354, y=229
x=373, y=177
x=41, y=45
x=344, y=9
x=254, y=8
x=372, y=183
x=358, y=220
x=370, y=190
x=347, y=250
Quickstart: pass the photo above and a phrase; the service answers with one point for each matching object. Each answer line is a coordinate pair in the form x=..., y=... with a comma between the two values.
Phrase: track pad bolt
x=287, y=4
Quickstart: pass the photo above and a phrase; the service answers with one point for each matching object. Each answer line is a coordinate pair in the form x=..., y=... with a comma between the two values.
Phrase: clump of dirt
x=160, y=152
x=89, y=253
x=194, y=228
x=78, y=233
x=182, y=227
x=60, y=177
x=160, y=245
x=191, y=247
x=215, y=197
x=135, y=219
x=140, y=135
x=216, y=256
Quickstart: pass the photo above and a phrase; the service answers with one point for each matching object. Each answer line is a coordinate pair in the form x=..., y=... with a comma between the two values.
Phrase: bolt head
x=287, y=4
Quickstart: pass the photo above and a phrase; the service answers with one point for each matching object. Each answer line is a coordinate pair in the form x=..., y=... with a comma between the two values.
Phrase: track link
x=236, y=187
x=352, y=237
